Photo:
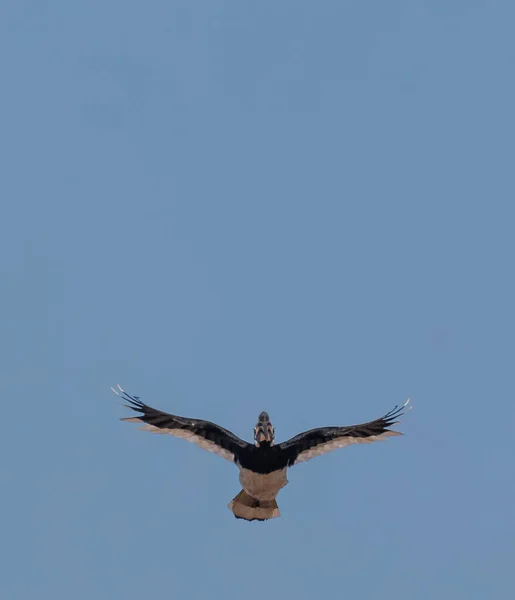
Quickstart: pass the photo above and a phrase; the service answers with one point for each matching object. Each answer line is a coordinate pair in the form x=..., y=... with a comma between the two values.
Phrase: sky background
x=229, y=207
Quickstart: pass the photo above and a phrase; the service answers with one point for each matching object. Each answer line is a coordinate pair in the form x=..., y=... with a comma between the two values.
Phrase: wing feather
x=206, y=435
x=316, y=442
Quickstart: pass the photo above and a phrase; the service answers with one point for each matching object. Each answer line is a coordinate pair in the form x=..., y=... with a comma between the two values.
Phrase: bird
x=263, y=464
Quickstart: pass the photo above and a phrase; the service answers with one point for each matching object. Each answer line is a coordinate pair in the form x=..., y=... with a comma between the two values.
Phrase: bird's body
x=263, y=465
x=262, y=486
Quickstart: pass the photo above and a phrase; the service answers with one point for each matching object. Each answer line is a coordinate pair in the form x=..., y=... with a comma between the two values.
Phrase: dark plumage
x=262, y=465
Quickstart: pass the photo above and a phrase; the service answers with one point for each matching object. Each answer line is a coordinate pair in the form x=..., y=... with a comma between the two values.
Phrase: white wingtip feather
x=114, y=391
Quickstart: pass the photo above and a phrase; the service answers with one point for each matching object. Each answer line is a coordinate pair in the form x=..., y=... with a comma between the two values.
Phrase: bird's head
x=264, y=431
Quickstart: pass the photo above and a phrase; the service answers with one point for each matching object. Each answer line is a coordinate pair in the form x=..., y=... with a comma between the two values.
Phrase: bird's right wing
x=315, y=442
x=207, y=435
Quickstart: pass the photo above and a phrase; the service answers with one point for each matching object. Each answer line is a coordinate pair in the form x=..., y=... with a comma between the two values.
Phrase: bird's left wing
x=319, y=441
x=207, y=435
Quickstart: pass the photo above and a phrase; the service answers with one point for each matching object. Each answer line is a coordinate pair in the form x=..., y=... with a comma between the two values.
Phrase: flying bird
x=264, y=463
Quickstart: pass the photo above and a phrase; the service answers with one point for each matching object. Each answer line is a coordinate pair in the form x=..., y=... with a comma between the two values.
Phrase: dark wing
x=325, y=439
x=207, y=435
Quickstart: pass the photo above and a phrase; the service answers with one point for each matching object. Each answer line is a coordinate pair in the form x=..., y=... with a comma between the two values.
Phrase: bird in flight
x=264, y=463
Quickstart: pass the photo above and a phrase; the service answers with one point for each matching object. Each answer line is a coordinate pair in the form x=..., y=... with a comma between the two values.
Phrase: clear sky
x=228, y=207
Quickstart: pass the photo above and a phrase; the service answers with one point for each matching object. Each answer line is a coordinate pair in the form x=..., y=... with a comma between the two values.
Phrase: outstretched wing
x=315, y=442
x=207, y=435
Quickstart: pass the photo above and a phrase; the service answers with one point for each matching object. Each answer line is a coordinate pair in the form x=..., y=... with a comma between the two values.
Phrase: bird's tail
x=246, y=507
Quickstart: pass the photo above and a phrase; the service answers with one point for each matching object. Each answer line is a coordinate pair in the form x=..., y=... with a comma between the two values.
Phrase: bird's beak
x=264, y=432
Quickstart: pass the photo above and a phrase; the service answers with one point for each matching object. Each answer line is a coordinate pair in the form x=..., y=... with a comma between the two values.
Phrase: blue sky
x=228, y=207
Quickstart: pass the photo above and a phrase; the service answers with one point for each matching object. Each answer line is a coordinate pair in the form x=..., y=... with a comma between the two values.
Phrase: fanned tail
x=246, y=507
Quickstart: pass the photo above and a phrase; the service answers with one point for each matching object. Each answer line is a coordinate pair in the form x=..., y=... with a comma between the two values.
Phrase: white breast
x=262, y=486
